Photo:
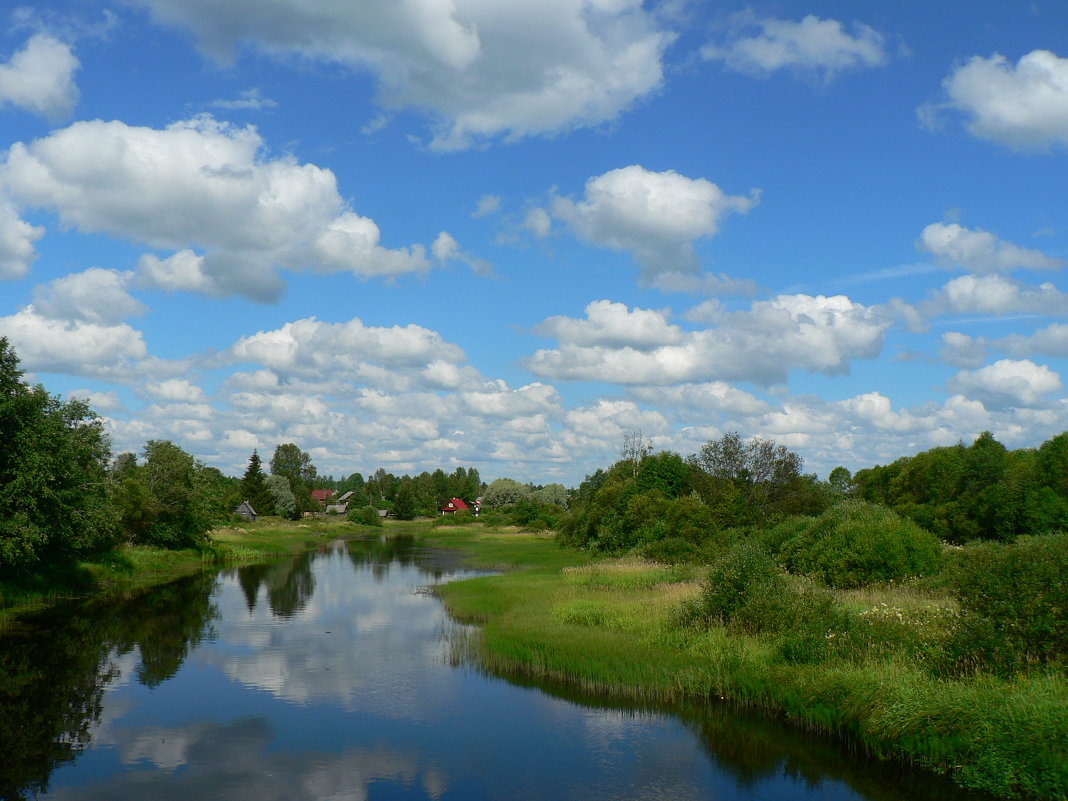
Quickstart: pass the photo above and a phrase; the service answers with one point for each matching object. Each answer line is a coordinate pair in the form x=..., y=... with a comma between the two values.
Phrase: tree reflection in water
x=55, y=665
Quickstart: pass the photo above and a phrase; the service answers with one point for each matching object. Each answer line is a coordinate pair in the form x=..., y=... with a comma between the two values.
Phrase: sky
x=441, y=233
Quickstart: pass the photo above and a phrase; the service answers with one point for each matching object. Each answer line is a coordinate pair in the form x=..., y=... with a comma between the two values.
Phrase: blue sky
x=467, y=232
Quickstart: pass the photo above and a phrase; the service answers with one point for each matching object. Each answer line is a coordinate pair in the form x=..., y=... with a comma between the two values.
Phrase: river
x=334, y=676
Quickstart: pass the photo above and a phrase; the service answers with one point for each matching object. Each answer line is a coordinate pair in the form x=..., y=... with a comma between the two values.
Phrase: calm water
x=329, y=677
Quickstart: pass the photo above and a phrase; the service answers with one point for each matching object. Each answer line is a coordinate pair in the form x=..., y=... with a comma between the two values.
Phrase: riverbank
x=133, y=567
x=611, y=626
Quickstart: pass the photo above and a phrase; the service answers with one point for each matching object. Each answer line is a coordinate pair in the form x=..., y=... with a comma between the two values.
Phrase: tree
x=504, y=492
x=285, y=503
x=53, y=473
x=636, y=446
x=405, y=503
x=254, y=487
x=840, y=480
x=296, y=465
x=183, y=497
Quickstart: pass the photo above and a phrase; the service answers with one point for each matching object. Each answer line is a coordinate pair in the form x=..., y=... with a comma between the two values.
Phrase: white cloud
x=613, y=325
x=481, y=70
x=1050, y=341
x=961, y=350
x=176, y=390
x=1023, y=106
x=72, y=346
x=247, y=100
x=980, y=251
x=95, y=295
x=309, y=348
x=538, y=222
x=487, y=205
x=1007, y=383
x=711, y=397
x=40, y=77
x=996, y=294
x=658, y=216
x=816, y=46
x=17, y=239
x=202, y=184
x=762, y=344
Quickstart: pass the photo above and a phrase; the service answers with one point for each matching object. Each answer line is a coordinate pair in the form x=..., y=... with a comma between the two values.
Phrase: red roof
x=455, y=505
x=322, y=495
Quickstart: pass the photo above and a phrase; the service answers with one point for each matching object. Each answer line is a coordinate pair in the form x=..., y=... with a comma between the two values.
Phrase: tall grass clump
x=1014, y=606
x=456, y=519
x=856, y=543
x=746, y=591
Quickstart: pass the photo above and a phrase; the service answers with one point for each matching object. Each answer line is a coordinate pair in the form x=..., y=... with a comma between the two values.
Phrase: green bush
x=746, y=591
x=671, y=551
x=856, y=543
x=1013, y=606
x=364, y=515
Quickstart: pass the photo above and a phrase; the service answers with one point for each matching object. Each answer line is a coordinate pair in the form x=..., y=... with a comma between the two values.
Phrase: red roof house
x=321, y=496
x=453, y=506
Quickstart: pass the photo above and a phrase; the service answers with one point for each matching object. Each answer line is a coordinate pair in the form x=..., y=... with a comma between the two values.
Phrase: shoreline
x=605, y=626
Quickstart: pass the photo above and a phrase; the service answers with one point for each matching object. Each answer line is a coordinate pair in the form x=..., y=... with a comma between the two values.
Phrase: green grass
x=610, y=627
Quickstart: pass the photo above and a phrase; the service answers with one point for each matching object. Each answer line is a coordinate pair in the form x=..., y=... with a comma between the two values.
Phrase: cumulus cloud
x=247, y=100
x=481, y=70
x=821, y=47
x=657, y=216
x=996, y=294
x=75, y=347
x=202, y=185
x=17, y=239
x=487, y=206
x=310, y=348
x=613, y=325
x=95, y=295
x=762, y=344
x=1023, y=106
x=40, y=77
x=961, y=350
x=176, y=390
x=1007, y=382
x=1049, y=341
x=980, y=251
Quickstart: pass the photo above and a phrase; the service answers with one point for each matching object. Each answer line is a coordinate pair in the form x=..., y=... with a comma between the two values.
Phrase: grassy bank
x=132, y=567
x=612, y=626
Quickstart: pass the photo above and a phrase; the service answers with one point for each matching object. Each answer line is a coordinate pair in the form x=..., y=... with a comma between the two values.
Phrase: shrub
x=671, y=551
x=1014, y=606
x=856, y=543
x=745, y=571
x=364, y=515
x=746, y=591
x=457, y=519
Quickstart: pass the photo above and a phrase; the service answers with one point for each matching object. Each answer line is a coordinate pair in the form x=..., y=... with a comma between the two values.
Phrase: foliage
x=856, y=543
x=405, y=504
x=364, y=516
x=982, y=491
x=171, y=500
x=457, y=519
x=283, y=500
x=296, y=465
x=504, y=492
x=53, y=480
x=552, y=494
x=254, y=487
x=1014, y=606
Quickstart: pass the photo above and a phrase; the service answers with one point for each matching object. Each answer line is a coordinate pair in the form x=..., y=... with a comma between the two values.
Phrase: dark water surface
x=329, y=677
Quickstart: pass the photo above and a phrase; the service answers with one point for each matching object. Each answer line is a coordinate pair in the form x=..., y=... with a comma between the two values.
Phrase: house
x=346, y=497
x=245, y=510
x=453, y=506
x=321, y=496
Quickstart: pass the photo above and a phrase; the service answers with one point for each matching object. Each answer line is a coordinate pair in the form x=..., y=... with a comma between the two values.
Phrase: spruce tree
x=254, y=487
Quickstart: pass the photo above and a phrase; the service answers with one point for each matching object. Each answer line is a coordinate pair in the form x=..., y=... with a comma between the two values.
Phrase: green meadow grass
x=610, y=626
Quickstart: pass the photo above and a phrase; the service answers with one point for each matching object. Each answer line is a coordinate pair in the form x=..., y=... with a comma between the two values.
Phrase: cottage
x=453, y=506
x=321, y=496
x=245, y=510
